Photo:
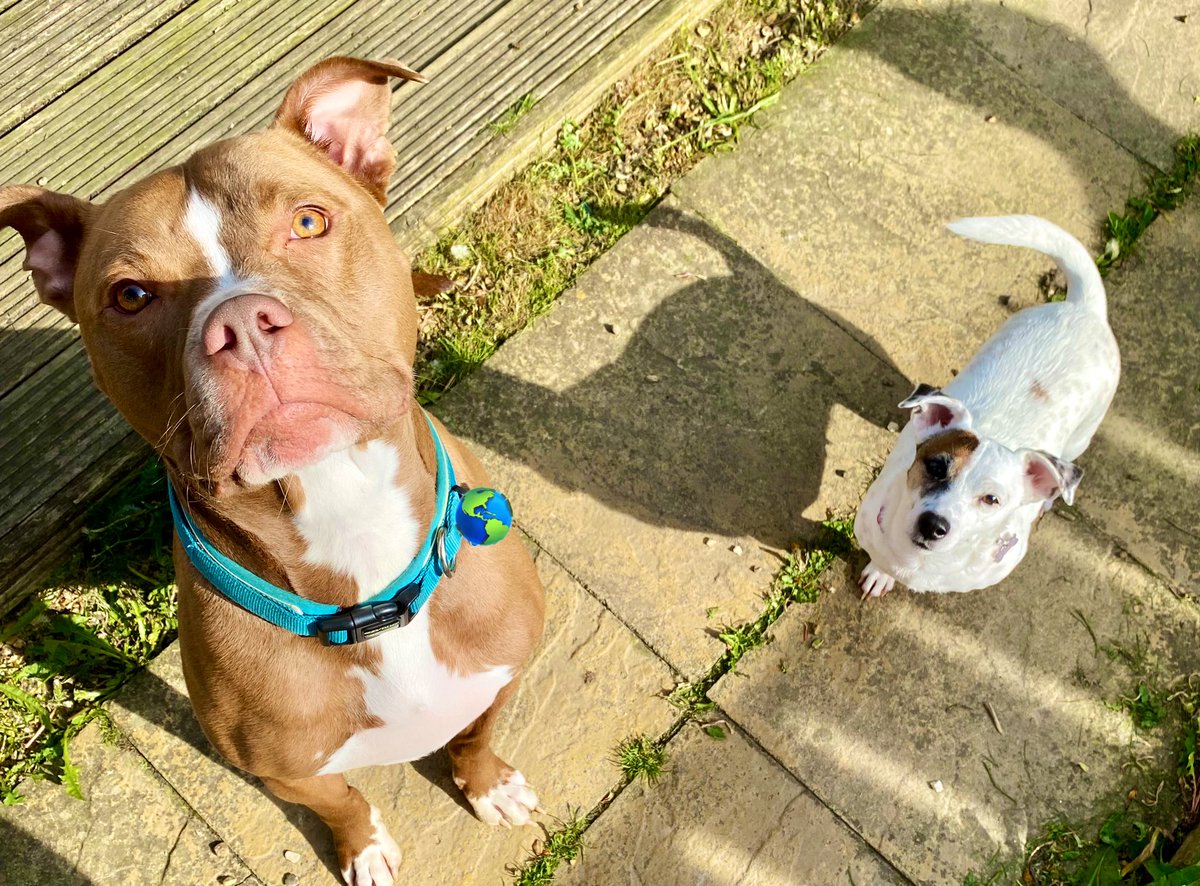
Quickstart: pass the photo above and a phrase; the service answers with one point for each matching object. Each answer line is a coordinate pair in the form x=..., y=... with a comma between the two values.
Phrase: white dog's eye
x=990, y=500
x=937, y=467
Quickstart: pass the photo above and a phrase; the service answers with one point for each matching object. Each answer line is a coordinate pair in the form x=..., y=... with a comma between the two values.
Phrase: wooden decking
x=102, y=92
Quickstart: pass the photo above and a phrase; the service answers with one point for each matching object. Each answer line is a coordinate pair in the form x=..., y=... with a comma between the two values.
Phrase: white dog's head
x=961, y=488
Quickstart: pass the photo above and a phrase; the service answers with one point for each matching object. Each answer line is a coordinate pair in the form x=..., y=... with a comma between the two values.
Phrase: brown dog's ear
x=52, y=226
x=341, y=105
x=429, y=285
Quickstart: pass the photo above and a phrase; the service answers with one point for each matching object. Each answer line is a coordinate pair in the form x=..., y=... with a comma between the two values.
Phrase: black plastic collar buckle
x=364, y=621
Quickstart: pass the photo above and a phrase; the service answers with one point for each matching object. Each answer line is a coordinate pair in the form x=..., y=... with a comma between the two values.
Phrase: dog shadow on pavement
x=714, y=415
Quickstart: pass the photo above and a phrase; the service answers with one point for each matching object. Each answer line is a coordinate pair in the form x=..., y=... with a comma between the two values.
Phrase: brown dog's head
x=247, y=311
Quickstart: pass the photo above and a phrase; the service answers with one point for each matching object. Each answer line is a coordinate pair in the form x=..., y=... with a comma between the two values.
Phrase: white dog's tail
x=1083, y=279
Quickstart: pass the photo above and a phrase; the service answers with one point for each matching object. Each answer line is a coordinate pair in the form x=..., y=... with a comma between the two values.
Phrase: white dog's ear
x=934, y=412
x=1047, y=477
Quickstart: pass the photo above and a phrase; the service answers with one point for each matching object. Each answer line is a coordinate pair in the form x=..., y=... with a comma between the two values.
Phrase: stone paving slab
x=680, y=393
x=590, y=685
x=130, y=828
x=893, y=700
x=723, y=814
x=1143, y=485
x=846, y=188
x=1130, y=69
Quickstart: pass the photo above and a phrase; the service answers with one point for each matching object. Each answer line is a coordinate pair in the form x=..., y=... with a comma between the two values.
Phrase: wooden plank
x=49, y=46
x=52, y=531
x=487, y=161
x=480, y=59
x=51, y=427
x=473, y=88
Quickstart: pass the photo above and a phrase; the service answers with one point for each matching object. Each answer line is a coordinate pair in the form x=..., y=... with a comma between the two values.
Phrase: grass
x=534, y=237
x=1136, y=842
x=107, y=613
x=1125, y=850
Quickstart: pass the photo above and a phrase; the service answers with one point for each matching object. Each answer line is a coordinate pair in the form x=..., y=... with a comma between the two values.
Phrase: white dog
x=953, y=507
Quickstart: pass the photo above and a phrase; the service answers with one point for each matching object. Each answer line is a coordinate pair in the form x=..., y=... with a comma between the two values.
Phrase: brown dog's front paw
x=377, y=863
x=506, y=803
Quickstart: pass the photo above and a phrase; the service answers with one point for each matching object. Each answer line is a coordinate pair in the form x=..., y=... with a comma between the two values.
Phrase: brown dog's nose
x=245, y=328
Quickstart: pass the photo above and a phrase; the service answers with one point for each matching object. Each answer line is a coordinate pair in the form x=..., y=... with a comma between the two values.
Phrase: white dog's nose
x=932, y=526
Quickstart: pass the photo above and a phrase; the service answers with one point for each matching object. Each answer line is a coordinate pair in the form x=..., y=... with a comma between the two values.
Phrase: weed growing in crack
x=640, y=757
x=506, y=122
x=796, y=582
x=1164, y=190
x=1146, y=707
x=563, y=844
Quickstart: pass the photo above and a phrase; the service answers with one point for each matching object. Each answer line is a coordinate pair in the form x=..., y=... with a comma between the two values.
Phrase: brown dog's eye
x=308, y=222
x=990, y=500
x=131, y=298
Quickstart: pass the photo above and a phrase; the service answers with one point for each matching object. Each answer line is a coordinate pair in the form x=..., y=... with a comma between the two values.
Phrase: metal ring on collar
x=439, y=546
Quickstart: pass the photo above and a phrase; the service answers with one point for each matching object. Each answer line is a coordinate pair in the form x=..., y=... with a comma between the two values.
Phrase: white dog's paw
x=875, y=582
x=510, y=802
x=379, y=863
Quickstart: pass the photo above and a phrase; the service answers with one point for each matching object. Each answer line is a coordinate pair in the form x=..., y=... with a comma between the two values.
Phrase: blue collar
x=394, y=606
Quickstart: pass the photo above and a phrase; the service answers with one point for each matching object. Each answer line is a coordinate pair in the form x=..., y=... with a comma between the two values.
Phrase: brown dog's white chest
x=357, y=520
x=419, y=702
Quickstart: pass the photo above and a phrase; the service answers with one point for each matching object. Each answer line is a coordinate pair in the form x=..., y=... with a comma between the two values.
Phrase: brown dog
x=250, y=315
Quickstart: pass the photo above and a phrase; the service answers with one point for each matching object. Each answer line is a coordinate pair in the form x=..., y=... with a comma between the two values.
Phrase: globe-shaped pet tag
x=484, y=516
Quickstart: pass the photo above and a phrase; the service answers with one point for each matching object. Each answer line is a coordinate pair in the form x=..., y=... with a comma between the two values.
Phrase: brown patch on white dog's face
x=1038, y=391
x=940, y=459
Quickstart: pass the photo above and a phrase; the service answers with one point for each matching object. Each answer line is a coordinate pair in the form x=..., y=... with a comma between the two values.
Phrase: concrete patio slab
x=1129, y=69
x=886, y=722
x=131, y=828
x=664, y=432
x=590, y=685
x=723, y=814
x=845, y=189
x=1143, y=485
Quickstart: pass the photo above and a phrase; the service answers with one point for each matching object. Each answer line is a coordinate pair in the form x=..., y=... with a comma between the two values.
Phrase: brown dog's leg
x=367, y=854
x=495, y=790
